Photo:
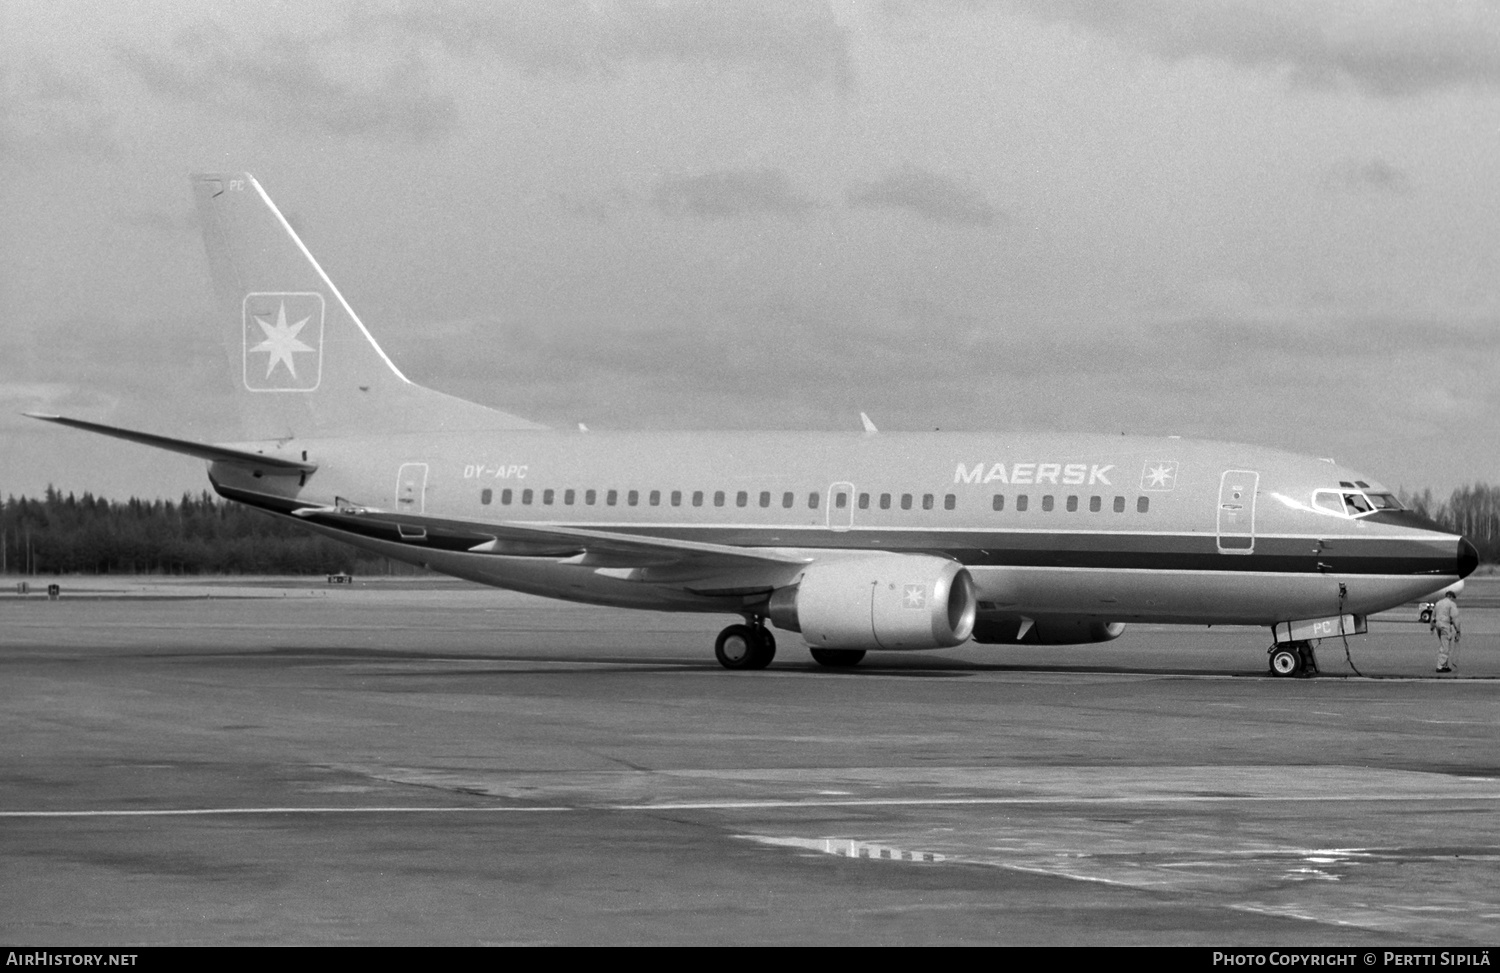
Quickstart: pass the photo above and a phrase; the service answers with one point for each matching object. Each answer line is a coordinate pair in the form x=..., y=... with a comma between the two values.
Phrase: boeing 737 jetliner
x=859, y=541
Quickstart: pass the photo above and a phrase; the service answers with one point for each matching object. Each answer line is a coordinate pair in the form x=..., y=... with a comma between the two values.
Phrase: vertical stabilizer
x=302, y=363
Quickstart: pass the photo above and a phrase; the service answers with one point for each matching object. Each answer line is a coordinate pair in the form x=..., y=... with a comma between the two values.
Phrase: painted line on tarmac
x=230, y=811
x=968, y=801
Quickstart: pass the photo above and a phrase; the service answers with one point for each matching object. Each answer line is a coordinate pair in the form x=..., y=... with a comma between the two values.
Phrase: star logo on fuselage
x=1159, y=475
x=281, y=341
x=915, y=596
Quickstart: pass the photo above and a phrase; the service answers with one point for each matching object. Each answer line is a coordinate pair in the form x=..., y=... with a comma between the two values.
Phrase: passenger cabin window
x=812, y=501
x=676, y=498
x=926, y=501
x=655, y=498
x=547, y=497
x=841, y=500
x=568, y=496
x=697, y=498
x=741, y=498
x=525, y=496
x=885, y=501
x=1095, y=504
x=505, y=496
x=997, y=502
x=589, y=496
x=949, y=501
x=1047, y=503
x=1072, y=503
x=612, y=497
x=906, y=501
x=718, y=498
x=765, y=498
x=864, y=501
x=1142, y=505
x=1119, y=505
x=1021, y=502
x=633, y=497
x=787, y=499
x=486, y=495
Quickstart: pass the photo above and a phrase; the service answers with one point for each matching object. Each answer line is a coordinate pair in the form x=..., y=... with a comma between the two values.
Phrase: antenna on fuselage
x=869, y=426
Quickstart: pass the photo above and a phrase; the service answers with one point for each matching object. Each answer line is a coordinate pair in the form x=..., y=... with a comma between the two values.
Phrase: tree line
x=59, y=534
x=66, y=534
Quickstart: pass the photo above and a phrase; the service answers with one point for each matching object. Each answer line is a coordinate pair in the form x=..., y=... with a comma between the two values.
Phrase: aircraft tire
x=765, y=649
x=744, y=647
x=1286, y=661
x=837, y=658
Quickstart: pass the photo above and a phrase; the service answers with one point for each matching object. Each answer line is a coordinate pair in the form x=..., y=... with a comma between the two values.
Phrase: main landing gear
x=1293, y=659
x=745, y=646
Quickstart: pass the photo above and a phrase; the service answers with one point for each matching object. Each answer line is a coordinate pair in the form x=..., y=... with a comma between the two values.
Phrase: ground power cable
x=1344, y=593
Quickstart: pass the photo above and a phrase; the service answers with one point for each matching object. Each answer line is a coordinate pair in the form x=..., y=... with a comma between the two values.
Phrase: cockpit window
x=1329, y=500
x=1353, y=503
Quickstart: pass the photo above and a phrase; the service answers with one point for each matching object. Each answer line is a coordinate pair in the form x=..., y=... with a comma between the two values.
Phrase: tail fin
x=303, y=364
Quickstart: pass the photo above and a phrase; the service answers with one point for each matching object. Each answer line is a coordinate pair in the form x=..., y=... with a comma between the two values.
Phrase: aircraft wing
x=695, y=565
x=187, y=447
x=593, y=547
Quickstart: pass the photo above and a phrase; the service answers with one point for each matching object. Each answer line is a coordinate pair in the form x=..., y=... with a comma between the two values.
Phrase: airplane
x=859, y=540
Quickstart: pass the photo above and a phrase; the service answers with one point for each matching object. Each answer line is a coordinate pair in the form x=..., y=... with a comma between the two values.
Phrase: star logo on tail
x=281, y=341
x=287, y=329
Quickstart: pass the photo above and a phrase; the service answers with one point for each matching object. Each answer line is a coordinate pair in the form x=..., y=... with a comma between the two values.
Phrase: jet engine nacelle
x=1047, y=630
x=896, y=601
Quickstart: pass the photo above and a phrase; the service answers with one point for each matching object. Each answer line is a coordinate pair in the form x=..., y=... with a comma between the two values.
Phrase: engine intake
x=896, y=601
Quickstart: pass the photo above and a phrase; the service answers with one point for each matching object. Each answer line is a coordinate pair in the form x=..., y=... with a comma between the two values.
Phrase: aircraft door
x=411, y=488
x=1237, y=489
x=841, y=506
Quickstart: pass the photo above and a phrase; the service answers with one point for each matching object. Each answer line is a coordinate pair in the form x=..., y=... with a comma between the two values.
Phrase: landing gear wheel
x=1286, y=660
x=837, y=658
x=745, y=647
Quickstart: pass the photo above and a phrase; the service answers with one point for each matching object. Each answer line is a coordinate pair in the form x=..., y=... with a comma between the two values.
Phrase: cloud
x=729, y=193
x=294, y=81
x=43, y=108
x=934, y=197
x=1374, y=175
x=787, y=41
x=1386, y=50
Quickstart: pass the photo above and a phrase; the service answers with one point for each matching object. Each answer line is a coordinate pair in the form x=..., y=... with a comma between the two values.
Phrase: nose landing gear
x=1293, y=659
x=745, y=646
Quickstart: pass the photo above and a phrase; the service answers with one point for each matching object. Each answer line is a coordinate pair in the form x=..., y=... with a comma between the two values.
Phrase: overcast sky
x=1275, y=221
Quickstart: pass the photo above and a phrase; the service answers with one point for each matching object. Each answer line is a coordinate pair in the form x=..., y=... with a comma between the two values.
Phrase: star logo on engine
x=1159, y=475
x=915, y=596
x=283, y=342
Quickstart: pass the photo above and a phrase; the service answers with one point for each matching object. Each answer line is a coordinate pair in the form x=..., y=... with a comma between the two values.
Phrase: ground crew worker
x=1445, y=623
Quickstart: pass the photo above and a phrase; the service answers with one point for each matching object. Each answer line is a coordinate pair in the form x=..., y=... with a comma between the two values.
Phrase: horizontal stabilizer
x=215, y=454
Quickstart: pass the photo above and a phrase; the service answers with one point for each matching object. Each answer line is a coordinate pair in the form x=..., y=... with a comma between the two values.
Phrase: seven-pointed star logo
x=281, y=341
x=915, y=596
x=1159, y=475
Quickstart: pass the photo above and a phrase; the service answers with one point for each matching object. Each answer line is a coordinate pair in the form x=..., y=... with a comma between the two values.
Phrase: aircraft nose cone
x=1468, y=558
